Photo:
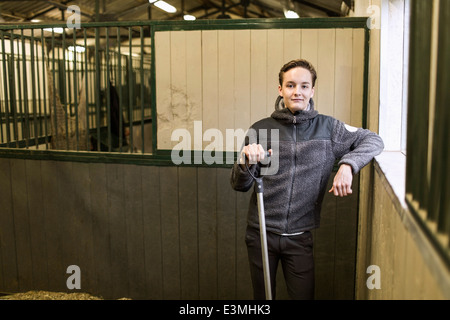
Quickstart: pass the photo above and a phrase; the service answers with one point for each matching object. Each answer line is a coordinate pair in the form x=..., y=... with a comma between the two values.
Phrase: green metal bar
x=45, y=84
x=12, y=90
x=163, y=159
x=25, y=93
x=108, y=92
x=366, y=77
x=142, y=89
x=68, y=74
x=55, y=133
x=3, y=117
x=441, y=152
x=263, y=23
x=119, y=87
x=130, y=88
x=153, y=90
x=75, y=86
x=88, y=142
x=19, y=107
x=33, y=89
x=64, y=89
x=437, y=203
x=38, y=84
x=418, y=97
x=97, y=86
x=5, y=90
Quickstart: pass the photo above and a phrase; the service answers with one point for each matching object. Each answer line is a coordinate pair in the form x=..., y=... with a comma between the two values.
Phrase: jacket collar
x=283, y=114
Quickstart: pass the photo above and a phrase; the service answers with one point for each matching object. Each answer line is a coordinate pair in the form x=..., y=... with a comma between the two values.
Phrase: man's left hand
x=342, y=183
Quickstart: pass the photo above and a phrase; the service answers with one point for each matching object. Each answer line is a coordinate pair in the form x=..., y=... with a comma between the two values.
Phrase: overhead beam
x=64, y=7
x=329, y=12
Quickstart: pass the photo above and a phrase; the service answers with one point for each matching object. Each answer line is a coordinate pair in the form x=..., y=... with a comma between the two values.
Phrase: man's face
x=297, y=89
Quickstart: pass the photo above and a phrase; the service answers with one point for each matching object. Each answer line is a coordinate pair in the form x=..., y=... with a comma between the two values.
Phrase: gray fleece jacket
x=308, y=144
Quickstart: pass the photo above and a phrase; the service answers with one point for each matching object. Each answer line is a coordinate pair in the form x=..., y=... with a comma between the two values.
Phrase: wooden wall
x=228, y=79
x=391, y=239
x=147, y=232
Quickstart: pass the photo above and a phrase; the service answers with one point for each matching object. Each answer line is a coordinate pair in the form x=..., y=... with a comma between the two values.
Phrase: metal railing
x=428, y=158
x=75, y=89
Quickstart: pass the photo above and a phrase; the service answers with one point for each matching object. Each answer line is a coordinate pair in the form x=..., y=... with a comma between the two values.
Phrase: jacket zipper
x=293, y=176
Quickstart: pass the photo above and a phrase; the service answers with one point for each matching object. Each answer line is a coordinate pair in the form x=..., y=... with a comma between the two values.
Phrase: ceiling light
x=165, y=6
x=56, y=30
x=189, y=17
x=151, y=1
x=291, y=14
x=77, y=49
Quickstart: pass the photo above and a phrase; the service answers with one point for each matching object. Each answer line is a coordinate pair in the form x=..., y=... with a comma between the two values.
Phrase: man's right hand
x=252, y=154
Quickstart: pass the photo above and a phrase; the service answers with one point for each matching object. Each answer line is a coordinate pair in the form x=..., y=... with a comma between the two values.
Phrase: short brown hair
x=298, y=63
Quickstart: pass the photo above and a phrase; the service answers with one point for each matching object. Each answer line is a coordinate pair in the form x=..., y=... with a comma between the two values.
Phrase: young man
x=308, y=144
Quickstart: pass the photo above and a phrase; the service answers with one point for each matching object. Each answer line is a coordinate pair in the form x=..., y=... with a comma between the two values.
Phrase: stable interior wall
x=408, y=266
x=228, y=79
x=147, y=232
x=176, y=232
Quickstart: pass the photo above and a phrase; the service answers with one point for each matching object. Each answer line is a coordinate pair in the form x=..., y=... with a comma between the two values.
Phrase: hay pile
x=48, y=295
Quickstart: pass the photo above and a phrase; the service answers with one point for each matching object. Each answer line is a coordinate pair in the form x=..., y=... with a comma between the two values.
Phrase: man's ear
x=312, y=92
x=280, y=91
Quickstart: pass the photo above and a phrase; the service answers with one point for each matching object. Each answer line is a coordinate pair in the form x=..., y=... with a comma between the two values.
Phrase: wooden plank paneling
x=343, y=75
x=163, y=89
x=356, y=116
x=102, y=279
x=8, y=260
x=178, y=80
x=275, y=60
x=207, y=232
x=325, y=69
x=21, y=224
x=226, y=78
x=49, y=175
x=189, y=251
x=231, y=76
x=81, y=181
x=150, y=233
x=117, y=229
x=37, y=223
x=151, y=202
x=135, y=232
x=170, y=225
x=292, y=42
x=324, y=247
x=242, y=81
x=309, y=51
x=345, y=243
x=67, y=218
x=210, y=71
x=258, y=74
x=243, y=281
x=226, y=236
x=310, y=45
x=194, y=89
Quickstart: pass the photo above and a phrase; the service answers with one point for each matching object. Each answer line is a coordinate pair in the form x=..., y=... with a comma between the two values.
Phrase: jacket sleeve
x=242, y=180
x=355, y=146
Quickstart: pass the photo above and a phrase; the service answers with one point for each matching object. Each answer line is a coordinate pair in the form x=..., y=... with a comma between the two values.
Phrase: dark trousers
x=296, y=255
